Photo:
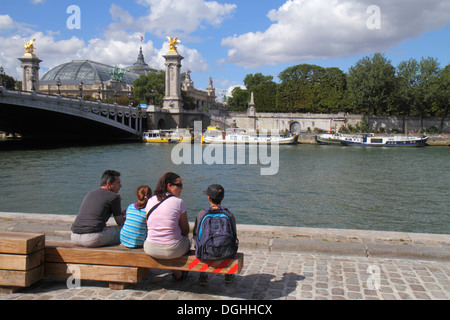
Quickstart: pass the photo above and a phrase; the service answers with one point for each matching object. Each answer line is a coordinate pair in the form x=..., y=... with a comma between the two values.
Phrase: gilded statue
x=173, y=44
x=29, y=47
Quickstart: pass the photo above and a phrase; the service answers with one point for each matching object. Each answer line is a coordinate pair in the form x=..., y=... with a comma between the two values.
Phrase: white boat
x=167, y=136
x=369, y=139
x=239, y=136
x=330, y=138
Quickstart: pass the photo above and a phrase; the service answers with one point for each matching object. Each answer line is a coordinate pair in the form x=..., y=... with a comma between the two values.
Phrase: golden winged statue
x=29, y=47
x=173, y=44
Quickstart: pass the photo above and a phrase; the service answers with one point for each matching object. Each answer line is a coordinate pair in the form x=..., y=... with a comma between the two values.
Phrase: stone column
x=172, y=100
x=30, y=72
x=251, y=113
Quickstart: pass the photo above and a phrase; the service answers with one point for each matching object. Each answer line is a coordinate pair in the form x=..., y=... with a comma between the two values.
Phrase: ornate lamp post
x=58, y=83
x=130, y=98
x=99, y=91
x=2, y=74
x=80, y=87
x=33, y=80
x=152, y=95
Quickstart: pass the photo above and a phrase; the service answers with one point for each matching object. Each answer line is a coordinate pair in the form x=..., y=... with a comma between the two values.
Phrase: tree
x=150, y=89
x=427, y=87
x=406, y=89
x=371, y=82
x=8, y=82
x=264, y=90
x=331, y=91
x=295, y=92
x=311, y=88
x=239, y=99
x=444, y=93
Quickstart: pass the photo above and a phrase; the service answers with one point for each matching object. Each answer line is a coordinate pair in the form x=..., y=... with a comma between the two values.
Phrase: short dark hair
x=216, y=201
x=108, y=175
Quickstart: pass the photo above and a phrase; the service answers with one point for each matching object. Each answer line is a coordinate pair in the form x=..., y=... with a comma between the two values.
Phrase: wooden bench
x=120, y=266
x=21, y=260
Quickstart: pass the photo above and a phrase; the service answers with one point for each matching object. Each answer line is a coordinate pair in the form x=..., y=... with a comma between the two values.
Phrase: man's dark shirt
x=96, y=208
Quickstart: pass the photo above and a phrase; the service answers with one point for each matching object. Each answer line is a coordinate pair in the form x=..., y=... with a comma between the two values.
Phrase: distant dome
x=140, y=66
x=83, y=70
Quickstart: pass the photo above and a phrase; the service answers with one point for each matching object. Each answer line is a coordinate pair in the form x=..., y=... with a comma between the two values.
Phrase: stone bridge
x=41, y=116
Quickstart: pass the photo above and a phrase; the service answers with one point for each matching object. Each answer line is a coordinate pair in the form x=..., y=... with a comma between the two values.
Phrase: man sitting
x=89, y=228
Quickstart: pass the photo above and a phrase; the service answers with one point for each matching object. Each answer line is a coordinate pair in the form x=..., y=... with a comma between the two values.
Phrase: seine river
x=390, y=189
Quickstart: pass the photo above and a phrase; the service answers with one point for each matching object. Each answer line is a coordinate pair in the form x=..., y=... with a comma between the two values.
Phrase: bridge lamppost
x=152, y=96
x=58, y=83
x=33, y=80
x=80, y=87
x=99, y=91
x=2, y=74
x=130, y=98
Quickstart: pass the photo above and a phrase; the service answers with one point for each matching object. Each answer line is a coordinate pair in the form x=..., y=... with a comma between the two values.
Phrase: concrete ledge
x=362, y=243
x=408, y=251
x=319, y=246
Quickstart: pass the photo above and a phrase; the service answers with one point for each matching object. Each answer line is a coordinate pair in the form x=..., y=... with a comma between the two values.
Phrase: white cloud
x=119, y=45
x=186, y=16
x=306, y=29
x=6, y=22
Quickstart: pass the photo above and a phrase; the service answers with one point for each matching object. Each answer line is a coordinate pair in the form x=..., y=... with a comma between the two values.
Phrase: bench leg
x=10, y=290
x=117, y=285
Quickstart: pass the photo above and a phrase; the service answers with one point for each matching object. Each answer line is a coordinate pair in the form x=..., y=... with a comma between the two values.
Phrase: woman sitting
x=167, y=224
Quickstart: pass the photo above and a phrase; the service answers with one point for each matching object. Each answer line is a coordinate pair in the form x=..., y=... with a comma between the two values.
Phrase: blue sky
x=226, y=40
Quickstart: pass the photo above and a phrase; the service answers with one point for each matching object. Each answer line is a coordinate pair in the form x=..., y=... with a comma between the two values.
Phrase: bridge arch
x=295, y=127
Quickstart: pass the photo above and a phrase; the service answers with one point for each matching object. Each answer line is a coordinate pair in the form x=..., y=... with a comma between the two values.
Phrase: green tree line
x=373, y=86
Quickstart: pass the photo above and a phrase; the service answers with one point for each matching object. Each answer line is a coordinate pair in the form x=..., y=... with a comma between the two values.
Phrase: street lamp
x=2, y=74
x=152, y=96
x=58, y=83
x=33, y=80
x=130, y=97
x=99, y=90
x=80, y=87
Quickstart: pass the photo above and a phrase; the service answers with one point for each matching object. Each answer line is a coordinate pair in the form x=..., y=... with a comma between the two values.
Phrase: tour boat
x=369, y=139
x=167, y=136
x=239, y=136
x=330, y=138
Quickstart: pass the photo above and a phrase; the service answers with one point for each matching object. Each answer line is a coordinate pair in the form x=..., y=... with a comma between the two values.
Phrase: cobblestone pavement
x=276, y=275
x=334, y=269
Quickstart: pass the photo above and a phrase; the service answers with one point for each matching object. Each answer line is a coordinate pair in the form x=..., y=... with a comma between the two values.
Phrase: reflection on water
x=398, y=189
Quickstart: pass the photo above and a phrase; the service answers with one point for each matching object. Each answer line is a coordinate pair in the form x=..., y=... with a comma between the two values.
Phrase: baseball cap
x=215, y=191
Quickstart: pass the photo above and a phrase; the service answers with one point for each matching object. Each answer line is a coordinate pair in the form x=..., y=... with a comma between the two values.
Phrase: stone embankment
x=283, y=263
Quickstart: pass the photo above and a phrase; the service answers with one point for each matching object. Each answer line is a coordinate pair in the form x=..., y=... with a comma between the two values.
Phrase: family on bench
x=158, y=223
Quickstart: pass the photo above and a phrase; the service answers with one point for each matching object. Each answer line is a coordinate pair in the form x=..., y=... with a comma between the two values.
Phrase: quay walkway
x=280, y=263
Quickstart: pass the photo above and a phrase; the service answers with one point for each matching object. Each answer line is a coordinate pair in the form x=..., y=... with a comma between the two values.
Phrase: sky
x=224, y=40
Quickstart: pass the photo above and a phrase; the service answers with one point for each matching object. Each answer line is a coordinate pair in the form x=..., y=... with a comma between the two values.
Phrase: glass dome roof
x=83, y=70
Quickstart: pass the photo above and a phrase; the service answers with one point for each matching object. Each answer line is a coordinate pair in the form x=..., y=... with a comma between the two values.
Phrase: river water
x=388, y=189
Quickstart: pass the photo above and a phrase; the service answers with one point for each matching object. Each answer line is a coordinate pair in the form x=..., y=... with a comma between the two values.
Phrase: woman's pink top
x=163, y=224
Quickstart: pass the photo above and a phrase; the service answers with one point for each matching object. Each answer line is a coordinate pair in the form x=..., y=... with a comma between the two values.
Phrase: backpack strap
x=157, y=205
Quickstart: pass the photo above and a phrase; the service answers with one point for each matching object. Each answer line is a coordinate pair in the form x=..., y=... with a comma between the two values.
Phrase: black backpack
x=216, y=238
